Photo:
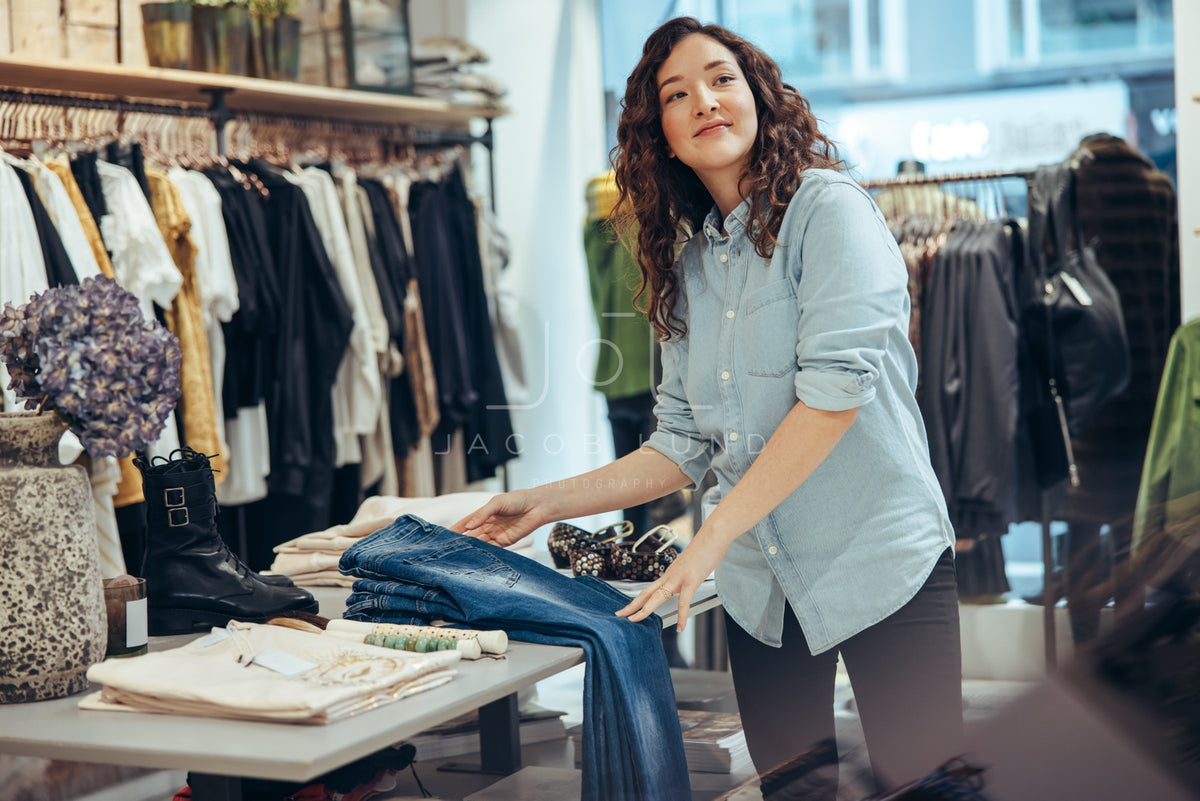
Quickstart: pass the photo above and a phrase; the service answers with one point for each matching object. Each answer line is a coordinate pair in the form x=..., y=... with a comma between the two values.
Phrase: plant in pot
x=167, y=29
x=276, y=34
x=221, y=36
x=83, y=357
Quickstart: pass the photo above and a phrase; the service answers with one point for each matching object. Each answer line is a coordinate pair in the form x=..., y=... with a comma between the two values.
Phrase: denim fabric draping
x=413, y=571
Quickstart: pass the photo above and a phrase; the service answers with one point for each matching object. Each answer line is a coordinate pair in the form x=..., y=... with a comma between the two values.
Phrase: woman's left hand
x=682, y=577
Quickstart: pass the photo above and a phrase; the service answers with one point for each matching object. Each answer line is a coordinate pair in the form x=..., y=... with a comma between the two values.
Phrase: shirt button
x=729, y=314
x=733, y=436
x=723, y=258
x=725, y=376
x=772, y=550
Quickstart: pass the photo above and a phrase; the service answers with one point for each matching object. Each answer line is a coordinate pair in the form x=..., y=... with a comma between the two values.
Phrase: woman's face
x=707, y=110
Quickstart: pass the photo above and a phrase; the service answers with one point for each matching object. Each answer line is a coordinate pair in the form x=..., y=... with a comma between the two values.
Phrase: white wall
x=548, y=54
x=1187, y=135
x=428, y=18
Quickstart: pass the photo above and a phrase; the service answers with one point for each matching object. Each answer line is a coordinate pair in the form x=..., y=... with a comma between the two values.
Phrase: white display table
x=218, y=753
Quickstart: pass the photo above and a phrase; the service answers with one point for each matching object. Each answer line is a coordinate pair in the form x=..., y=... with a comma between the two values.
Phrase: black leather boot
x=205, y=467
x=193, y=580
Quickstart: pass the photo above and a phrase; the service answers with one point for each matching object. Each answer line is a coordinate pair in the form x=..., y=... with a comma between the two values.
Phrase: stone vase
x=52, y=621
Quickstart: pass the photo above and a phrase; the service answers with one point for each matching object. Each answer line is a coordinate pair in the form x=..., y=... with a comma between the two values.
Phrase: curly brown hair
x=663, y=199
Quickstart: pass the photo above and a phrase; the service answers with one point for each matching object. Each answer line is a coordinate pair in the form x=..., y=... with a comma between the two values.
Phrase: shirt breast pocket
x=769, y=330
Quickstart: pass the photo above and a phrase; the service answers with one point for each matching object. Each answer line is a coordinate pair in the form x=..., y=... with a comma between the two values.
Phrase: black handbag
x=1072, y=323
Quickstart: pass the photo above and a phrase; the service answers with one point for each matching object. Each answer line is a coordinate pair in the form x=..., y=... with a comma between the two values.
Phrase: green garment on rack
x=625, y=363
x=1169, y=494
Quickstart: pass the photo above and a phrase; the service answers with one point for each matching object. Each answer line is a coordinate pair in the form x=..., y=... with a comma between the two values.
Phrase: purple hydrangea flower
x=89, y=352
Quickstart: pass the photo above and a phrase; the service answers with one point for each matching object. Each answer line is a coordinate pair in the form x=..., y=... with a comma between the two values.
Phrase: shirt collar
x=735, y=223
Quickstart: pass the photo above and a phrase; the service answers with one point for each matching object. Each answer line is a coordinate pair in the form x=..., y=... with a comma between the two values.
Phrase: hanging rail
x=920, y=179
x=102, y=104
x=219, y=113
x=1050, y=589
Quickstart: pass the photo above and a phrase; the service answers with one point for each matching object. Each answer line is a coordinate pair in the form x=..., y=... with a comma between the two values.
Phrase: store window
x=818, y=44
x=1027, y=32
x=821, y=41
x=824, y=42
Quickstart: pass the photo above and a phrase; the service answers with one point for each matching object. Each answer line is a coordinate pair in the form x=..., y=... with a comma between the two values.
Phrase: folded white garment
x=311, y=559
x=461, y=80
x=321, y=578
x=255, y=671
x=297, y=564
x=380, y=510
x=332, y=540
x=447, y=48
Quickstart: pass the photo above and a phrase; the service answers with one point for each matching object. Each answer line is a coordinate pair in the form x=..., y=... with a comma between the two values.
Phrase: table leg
x=210, y=787
x=499, y=739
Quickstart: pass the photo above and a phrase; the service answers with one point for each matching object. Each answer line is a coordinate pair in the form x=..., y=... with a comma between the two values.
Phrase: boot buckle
x=174, y=499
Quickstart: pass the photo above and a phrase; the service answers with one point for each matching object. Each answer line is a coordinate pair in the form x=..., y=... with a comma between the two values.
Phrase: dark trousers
x=632, y=420
x=906, y=672
x=1094, y=574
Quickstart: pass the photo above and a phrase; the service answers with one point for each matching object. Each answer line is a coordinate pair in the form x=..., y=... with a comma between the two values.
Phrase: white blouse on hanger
x=358, y=392
x=378, y=457
x=244, y=439
x=65, y=218
x=22, y=268
x=140, y=259
x=347, y=189
x=215, y=281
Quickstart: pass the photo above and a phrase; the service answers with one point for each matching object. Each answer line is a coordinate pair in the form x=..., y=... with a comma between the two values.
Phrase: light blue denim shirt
x=825, y=320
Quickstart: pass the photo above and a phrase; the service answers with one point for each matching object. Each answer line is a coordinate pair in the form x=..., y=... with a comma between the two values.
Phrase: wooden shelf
x=150, y=84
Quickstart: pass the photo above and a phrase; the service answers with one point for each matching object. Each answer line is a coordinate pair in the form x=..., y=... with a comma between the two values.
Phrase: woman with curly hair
x=780, y=298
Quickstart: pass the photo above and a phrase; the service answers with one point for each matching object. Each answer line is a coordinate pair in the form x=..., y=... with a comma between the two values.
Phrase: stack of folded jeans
x=414, y=572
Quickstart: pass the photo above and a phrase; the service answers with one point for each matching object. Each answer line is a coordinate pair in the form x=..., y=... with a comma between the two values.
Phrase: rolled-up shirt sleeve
x=677, y=436
x=851, y=281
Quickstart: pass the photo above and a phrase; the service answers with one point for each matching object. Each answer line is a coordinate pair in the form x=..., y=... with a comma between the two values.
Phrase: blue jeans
x=414, y=571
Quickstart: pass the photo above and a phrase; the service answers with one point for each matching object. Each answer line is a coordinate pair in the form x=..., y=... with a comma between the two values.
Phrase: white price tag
x=217, y=635
x=283, y=663
x=137, y=631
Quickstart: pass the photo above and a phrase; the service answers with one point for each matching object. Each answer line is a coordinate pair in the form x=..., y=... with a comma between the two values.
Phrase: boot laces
x=178, y=461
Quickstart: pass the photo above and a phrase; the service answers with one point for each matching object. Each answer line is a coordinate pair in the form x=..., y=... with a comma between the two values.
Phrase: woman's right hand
x=505, y=519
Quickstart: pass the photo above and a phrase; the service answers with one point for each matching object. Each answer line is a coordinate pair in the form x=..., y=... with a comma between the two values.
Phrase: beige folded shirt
x=381, y=510
x=261, y=672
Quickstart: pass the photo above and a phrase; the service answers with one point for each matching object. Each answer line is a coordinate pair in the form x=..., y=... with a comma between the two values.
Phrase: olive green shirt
x=626, y=343
x=1169, y=497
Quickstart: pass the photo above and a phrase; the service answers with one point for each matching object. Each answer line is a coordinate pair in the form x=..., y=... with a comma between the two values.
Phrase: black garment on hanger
x=314, y=333
x=470, y=385
x=969, y=335
x=490, y=423
x=390, y=261
x=132, y=159
x=83, y=168
x=249, y=334
x=392, y=267
x=441, y=299
x=59, y=270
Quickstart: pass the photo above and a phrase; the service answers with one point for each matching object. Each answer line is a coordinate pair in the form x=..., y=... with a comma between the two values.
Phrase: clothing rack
x=219, y=113
x=918, y=179
x=1050, y=590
